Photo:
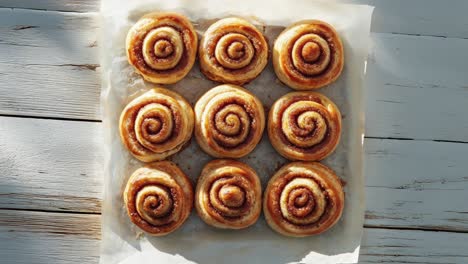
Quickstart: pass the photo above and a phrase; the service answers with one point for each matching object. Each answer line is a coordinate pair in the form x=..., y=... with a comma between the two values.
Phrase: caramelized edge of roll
x=207, y=143
x=280, y=141
x=248, y=212
x=141, y=152
x=286, y=71
x=184, y=185
x=214, y=70
x=274, y=216
x=134, y=47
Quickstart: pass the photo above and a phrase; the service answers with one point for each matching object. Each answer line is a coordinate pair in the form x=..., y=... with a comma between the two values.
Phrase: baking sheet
x=196, y=242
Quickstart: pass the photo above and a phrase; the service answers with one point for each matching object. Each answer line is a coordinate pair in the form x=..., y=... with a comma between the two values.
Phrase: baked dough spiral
x=229, y=121
x=162, y=47
x=308, y=55
x=302, y=199
x=233, y=51
x=228, y=194
x=156, y=124
x=304, y=126
x=159, y=198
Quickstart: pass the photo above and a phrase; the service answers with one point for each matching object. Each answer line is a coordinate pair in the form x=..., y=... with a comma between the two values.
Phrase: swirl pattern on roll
x=233, y=51
x=158, y=198
x=229, y=121
x=302, y=199
x=308, y=55
x=162, y=47
x=228, y=194
x=156, y=124
x=304, y=126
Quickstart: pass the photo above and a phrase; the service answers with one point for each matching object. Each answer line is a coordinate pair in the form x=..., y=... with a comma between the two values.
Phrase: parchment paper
x=196, y=242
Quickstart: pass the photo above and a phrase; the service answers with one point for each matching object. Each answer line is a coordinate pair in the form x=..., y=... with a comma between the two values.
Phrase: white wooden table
x=416, y=132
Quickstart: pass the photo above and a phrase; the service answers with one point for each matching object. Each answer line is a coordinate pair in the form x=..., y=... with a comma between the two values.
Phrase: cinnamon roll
x=159, y=198
x=304, y=126
x=162, y=47
x=302, y=199
x=308, y=55
x=229, y=121
x=233, y=51
x=156, y=124
x=228, y=194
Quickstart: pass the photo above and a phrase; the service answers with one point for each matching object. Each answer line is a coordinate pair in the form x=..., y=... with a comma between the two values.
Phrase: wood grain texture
x=57, y=5
x=419, y=17
x=436, y=18
x=38, y=237
x=62, y=47
x=416, y=88
x=50, y=165
x=416, y=184
x=407, y=246
x=50, y=60
x=405, y=179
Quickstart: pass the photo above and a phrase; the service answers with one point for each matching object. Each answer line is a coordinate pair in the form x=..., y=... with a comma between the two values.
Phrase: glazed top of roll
x=156, y=124
x=228, y=194
x=304, y=126
x=232, y=50
x=229, y=121
x=308, y=55
x=162, y=47
x=303, y=198
x=158, y=197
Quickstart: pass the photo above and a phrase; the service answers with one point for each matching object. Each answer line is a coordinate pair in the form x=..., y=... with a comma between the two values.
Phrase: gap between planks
x=40, y=170
x=53, y=118
x=411, y=228
x=97, y=12
x=399, y=16
x=57, y=238
x=415, y=228
x=400, y=70
x=100, y=121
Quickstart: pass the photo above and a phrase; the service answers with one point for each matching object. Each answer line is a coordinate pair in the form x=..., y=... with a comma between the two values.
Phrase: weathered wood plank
x=56, y=165
x=419, y=17
x=57, y=55
x=48, y=64
x=50, y=165
x=57, y=5
x=417, y=87
x=38, y=237
x=425, y=17
x=407, y=246
x=416, y=184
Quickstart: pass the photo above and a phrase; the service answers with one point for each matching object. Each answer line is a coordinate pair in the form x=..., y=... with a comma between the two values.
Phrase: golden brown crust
x=229, y=121
x=304, y=126
x=233, y=51
x=303, y=199
x=308, y=55
x=156, y=124
x=228, y=194
x=162, y=47
x=158, y=198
